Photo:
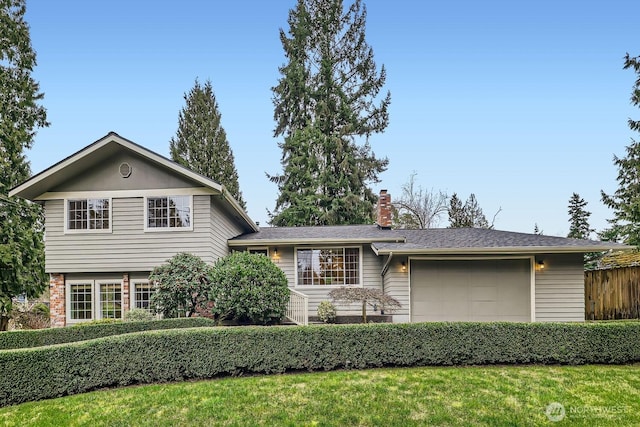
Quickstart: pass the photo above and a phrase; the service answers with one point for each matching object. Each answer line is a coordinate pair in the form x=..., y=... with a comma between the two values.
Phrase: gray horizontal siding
x=127, y=247
x=396, y=284
x=560, y=289
x=223, y=228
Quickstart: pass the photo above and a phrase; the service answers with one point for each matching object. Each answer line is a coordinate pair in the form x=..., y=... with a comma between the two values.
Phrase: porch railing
x=298, y=307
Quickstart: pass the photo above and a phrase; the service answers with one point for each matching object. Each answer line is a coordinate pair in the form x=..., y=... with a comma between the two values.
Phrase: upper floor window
x=168, y=212
x=328, y=266
x=88, y=214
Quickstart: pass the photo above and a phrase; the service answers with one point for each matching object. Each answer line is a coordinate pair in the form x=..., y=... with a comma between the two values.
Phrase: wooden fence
x=612, y=294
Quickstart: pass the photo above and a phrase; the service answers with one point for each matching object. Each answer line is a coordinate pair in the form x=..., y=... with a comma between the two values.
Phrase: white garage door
x=476, y=290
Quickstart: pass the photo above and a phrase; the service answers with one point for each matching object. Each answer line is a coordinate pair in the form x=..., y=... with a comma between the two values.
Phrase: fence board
x=612, y=293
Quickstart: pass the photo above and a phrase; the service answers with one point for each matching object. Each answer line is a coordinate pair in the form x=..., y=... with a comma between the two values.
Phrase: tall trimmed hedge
x=175, y=355
x=89, y=331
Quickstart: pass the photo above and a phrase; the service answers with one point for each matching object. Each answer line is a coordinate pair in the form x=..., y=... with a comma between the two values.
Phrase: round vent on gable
x=125, y=170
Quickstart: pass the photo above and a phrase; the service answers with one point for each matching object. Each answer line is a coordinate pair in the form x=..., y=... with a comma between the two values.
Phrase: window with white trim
x=110, y=300
x=93, y=299
x=80, y=300
x=328, y=266
x=172, y=212
x=142, y=291
x=88, y=214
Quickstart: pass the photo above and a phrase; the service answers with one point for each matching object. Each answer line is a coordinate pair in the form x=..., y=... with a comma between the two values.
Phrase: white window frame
x=96, y=309
x=98, y=297
x=360, y=266
x=132, y=292
x=67, y=230
x=67, y=290
x=166, y=229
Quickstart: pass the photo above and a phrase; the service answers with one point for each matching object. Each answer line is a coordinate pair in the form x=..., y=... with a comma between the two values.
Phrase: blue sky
x=519, y=102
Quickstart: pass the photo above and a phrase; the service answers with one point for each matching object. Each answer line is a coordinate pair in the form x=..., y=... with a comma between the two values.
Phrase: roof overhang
x=496, y=250
x=303, y=241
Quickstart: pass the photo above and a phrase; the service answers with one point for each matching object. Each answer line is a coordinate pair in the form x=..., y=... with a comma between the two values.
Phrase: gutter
x=503, y=250
x=300, y=241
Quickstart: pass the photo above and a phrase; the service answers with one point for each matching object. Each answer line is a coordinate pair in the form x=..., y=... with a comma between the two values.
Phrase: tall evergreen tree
x=201, y=143
x=325, y=103
x=21, y=226
x=468, y=215
x=625, y=201
x=457, y=216
x=579, y=218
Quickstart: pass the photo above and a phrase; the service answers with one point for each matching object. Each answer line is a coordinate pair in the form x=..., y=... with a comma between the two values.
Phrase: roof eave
x=236, y=206
x=498, y=250
x=293, y=242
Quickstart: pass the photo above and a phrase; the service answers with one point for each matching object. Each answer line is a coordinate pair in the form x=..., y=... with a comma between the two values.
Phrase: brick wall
x=57, y=300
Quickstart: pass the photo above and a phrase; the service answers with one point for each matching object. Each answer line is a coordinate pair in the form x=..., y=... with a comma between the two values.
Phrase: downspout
x=385, y=267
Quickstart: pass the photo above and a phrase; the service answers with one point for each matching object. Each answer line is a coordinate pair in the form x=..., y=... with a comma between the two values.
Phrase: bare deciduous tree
x=417, y=207
x=366, y=296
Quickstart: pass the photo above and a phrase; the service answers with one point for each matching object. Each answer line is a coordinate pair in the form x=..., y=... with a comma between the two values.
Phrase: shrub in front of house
x=89, y=331
x=327, y=312
x=181, y=285
x=138, y=315
x=248, y=288
x=198, y=353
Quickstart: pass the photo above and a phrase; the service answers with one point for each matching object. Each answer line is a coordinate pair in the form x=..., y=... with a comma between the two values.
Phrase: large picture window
x=169, y=212
x=328, y=266
x=88, y=214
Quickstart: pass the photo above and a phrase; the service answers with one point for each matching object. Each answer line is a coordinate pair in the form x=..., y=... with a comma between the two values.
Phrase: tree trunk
x=4, y=323
x=364, y=311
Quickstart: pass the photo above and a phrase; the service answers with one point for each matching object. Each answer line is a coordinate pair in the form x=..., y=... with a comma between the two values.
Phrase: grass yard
x=457, y=396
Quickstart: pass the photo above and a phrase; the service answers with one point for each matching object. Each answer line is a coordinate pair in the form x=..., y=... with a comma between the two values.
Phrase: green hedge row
x=89, y=331
x=175, y=355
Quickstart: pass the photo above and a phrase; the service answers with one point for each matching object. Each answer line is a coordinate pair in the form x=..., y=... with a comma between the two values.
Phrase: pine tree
x=475, y=215
x=468, y=215
x=201, y=143
x=625, y=202
x=578, y=218
x=21, y=225
x=457, y=215
x=325, y=103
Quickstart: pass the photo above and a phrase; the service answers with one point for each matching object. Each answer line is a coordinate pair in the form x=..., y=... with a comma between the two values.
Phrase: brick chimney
x=383, y=210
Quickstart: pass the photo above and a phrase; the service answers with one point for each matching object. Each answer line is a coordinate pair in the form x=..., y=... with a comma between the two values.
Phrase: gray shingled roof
x=371, y=233
x=432, y=240
x=439, y=239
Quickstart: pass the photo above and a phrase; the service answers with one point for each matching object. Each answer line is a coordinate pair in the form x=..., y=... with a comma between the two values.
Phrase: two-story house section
x=113, y=212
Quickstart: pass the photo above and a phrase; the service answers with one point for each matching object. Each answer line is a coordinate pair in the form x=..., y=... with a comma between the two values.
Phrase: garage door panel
x=470, y=290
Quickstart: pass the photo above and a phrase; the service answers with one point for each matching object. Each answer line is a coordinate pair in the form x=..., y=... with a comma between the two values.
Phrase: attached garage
x=471, y=290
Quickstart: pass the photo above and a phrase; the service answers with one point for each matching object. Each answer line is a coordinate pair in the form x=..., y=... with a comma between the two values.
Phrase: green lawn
x=466, y=396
